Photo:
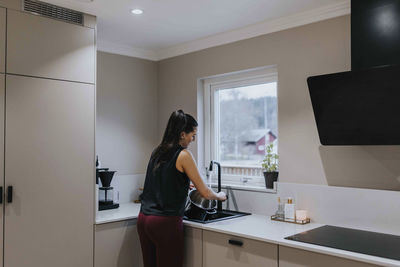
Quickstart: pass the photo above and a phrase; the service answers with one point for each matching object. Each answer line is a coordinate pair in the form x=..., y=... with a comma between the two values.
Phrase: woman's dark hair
x=178, y=122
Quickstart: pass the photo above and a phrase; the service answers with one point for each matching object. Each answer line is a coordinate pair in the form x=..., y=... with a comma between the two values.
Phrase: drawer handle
x=235, y=242
x=1, y=195
x=9, y=194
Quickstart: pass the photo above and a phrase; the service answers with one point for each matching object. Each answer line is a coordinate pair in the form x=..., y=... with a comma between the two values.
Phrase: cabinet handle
x=235, y=242
x=1, y=195
x=9, y=194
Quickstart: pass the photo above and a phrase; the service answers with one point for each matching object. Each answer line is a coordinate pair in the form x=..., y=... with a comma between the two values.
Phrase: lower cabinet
x=117, y=245
x=227, y=250
x=193, y=247
x=291, y=257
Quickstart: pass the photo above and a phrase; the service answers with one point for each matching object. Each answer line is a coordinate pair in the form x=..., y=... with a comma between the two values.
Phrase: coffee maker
x=106, y=191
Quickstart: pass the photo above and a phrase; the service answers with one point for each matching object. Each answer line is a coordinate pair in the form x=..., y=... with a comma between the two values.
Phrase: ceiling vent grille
x=52, y=11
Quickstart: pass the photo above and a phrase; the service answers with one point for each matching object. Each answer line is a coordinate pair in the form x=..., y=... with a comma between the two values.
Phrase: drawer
x=227, y=250
x=291, y=257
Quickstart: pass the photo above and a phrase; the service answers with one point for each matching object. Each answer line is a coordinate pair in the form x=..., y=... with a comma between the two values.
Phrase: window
x=241, y=119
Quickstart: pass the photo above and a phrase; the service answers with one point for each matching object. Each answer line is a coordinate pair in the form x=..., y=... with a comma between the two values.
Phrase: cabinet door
x=50, y=164
x=117, y=245
x=11, y=4
x=193, y=254
x=43, y=47
x=1, y=163
x=291, y=257
x=219, y=251
x=2, y=39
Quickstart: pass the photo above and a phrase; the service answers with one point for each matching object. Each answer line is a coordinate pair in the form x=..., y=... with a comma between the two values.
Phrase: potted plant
x=270, y=166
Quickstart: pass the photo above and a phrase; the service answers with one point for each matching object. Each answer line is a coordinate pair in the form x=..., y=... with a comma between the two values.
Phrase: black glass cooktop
x=370, y=243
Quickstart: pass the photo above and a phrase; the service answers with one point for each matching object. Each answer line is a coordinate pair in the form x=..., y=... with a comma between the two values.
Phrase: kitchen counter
x=126, y=211
x=256, y=227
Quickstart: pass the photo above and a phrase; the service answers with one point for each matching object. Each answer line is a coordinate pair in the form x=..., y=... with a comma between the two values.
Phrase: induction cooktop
x=365, y=242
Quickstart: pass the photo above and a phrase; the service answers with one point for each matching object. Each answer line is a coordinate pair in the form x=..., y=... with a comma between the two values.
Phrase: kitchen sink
x=196, y=212
x=217, y=216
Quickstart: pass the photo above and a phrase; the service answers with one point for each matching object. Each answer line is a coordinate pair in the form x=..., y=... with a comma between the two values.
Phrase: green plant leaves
x=270, y=161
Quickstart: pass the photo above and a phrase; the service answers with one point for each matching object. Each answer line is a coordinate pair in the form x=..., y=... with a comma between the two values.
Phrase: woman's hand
x=222, y=196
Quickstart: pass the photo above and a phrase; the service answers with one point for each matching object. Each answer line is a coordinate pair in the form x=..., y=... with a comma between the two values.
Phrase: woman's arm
x=185, y=163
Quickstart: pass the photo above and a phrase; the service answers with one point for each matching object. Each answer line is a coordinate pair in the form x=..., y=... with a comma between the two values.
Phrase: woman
x=170, y=168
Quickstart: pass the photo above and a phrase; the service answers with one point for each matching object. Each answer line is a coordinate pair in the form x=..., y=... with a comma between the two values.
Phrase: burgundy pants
x=161, y=238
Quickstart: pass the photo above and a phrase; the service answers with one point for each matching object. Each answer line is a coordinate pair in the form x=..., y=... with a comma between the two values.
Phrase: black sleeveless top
x=166, y=189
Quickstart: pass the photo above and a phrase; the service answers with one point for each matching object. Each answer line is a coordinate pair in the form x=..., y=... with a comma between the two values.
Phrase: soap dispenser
x=289, y=209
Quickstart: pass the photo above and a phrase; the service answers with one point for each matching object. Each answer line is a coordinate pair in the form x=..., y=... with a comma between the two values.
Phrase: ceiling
x=172, y=27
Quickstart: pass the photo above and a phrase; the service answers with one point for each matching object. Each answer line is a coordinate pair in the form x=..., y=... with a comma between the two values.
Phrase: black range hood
x=362, y=106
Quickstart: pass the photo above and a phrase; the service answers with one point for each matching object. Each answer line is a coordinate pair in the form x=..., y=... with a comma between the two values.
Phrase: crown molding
x=265, y=27
x=126, y=50
x=254, y=30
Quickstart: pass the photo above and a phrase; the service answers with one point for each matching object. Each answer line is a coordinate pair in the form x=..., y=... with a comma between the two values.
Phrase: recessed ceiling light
x=137, y=11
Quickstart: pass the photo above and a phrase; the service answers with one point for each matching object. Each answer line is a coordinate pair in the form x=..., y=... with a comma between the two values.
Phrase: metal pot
x=197, y=200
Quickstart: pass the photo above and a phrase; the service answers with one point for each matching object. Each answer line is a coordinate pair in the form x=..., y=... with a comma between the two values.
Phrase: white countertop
x=257, y=227
x=126, y=211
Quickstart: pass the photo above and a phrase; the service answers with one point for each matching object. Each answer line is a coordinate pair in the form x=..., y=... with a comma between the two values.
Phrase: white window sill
x=247, y=188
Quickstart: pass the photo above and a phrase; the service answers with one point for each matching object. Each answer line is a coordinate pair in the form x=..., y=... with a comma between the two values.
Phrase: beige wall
x=126, y=112
x=318, y=48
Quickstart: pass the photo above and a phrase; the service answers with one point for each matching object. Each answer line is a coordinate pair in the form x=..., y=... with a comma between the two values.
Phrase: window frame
x=229, y=81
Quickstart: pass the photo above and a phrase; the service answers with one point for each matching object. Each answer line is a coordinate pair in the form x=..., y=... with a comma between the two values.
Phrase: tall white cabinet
x=49, y=147
x=47, y=141
x=2, y=89
x=2, y=39
x=2, y=80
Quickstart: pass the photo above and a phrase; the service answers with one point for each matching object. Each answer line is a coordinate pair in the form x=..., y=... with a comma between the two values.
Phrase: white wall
x=371, y=210
x=318, y=48
x=126, y=130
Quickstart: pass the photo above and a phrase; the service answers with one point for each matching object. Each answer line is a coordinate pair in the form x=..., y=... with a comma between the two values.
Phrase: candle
x=301, y=215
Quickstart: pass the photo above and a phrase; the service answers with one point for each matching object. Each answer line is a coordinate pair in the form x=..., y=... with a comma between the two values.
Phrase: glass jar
x=106, y=195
